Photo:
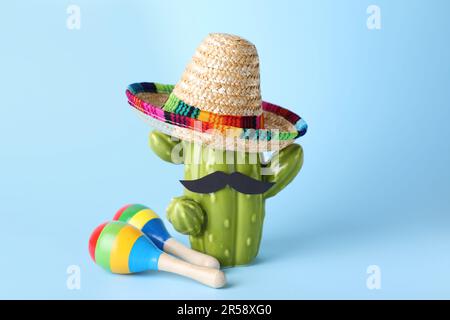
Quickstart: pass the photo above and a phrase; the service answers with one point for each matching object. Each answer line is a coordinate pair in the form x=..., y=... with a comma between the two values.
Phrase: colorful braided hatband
x=177, y=112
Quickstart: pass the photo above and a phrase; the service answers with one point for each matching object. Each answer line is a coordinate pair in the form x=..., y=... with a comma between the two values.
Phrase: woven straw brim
x=149, y=105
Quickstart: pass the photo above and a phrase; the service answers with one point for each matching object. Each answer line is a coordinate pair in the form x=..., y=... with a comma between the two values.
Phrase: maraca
x=121, y=248
x=153, y=227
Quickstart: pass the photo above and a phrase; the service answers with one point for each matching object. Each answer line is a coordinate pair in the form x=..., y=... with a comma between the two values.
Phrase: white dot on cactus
x=249, y=241
x=226, y=253
x=210, y=237
x=226, y=223
x=253, y=218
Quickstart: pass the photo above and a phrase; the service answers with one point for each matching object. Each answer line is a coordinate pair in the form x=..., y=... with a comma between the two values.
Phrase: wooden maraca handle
x=210, y=277
x=178, y=249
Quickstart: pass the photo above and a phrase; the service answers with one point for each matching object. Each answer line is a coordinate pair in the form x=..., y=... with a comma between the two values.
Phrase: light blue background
x=374, y=189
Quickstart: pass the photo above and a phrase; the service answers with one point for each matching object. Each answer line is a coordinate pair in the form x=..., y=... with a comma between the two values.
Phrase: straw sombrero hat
x=218, y=102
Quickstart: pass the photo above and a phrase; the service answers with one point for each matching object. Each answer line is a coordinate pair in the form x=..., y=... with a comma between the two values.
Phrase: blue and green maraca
x=146, y=220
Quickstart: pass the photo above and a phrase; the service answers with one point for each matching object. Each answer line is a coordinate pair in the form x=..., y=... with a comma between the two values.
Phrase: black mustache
x=218, y=180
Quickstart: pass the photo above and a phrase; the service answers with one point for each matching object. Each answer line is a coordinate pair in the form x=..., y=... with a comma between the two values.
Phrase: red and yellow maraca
x=121, y=248
x=146, y=220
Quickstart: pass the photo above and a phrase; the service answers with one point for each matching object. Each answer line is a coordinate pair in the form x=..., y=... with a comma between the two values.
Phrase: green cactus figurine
x=217, y=106
x=225, y=224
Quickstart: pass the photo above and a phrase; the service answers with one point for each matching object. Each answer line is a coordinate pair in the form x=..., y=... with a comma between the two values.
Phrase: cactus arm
x=290, y=161
x=163, y=146
x=186, y=216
